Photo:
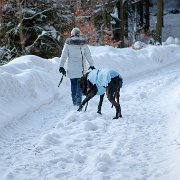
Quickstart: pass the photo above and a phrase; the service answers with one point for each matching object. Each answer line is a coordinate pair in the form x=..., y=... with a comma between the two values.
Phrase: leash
x=82, y=62
x=60, y=80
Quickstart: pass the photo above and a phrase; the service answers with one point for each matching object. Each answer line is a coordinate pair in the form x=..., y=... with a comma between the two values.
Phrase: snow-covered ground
x=42, y=136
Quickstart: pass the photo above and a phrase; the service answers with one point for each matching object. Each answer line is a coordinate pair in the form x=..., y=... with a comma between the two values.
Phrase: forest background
x=40, y=27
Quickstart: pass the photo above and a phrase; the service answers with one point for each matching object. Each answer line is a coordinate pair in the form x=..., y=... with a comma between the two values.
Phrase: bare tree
x=20, y=25
x=1, y=13
x=141, y=12
x=147, y=15
x=159, y=21
x=121, y=43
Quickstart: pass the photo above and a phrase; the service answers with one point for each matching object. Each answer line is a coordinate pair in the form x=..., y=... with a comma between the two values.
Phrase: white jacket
x=77, y=53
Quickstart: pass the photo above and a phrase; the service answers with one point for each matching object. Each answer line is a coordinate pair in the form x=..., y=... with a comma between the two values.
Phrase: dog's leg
x=100, y=103
x=112, y=100
x=118, y=83
x=113, y=95
x=86, y=106
x=90, y=95
x=117, y=98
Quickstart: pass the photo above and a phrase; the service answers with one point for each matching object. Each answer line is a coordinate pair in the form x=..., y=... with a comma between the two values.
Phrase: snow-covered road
x=57, y=142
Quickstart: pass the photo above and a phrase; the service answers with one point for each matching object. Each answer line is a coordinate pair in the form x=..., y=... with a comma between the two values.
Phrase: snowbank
x=33, y=79
x=130, y=62
x=26, y=83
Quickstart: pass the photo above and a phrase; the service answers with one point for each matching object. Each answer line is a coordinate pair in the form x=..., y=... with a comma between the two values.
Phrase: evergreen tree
x=37, y=27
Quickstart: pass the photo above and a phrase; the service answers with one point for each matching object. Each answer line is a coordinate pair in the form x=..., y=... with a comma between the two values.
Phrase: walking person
x=77, y=53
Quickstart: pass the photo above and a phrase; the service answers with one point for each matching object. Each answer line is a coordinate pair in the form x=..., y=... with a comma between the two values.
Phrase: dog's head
x=84, y=84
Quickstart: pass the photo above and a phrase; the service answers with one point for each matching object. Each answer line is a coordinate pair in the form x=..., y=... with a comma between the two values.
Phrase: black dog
x=92, y=86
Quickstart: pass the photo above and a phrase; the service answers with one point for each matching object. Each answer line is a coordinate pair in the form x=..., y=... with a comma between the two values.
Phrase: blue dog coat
x=101, y=78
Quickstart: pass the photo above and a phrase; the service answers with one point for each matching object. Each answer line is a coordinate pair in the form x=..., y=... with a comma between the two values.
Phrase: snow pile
x=129, y=62
x=25, y=80
x=172, y=40
x=139, y=45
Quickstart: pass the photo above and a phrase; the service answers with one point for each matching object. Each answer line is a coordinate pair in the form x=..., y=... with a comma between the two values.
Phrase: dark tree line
x=33, y=27
x=40, y=27
x=132, y=19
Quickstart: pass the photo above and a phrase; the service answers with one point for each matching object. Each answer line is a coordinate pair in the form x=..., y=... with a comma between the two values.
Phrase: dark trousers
x=76, y=91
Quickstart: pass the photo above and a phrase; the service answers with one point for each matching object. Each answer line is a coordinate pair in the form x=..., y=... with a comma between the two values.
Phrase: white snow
x=43, y=136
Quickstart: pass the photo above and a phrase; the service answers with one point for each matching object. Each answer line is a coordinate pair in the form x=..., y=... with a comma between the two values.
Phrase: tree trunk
x=20, y=19
x=147, y=18
x=141, y=12
x=104, y=13
x=1, y=13
x=121, y=43
x=162, y=14
x=125, y=7
x=159, y=21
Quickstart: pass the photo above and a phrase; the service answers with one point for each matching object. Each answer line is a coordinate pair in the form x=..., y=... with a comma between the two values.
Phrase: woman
x=76, y=52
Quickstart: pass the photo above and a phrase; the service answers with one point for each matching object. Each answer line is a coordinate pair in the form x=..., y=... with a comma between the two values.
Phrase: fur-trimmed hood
x=77, y=40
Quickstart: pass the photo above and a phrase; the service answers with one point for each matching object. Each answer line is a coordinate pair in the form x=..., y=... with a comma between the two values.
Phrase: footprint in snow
x=89, y=126
x=79, y=158
x=103, y=161
x=71, y=117
x=143, y=95
x=51, y=139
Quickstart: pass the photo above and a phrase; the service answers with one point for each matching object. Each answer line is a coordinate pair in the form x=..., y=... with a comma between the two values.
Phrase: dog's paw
x=99, y=112
x=116, y=117
x=80, y=108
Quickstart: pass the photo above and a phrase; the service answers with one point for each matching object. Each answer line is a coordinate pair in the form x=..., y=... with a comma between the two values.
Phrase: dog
x=97, y=82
